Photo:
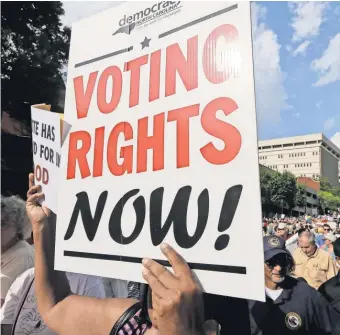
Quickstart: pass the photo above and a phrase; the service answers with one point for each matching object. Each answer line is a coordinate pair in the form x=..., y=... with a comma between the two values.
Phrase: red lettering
x=117, y=80
x=78, y=155
x=222, y=130
x=187, y=69
x=83, y=99
x=126, y=152
x=98, y=152
x=155, y=75
x=45, y=177
x=182, y=117
x=37, y=173
x=210, y=55
x=154, y=142
x=134, y=67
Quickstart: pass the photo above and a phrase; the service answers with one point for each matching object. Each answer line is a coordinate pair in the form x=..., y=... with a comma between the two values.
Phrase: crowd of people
x=301, y=272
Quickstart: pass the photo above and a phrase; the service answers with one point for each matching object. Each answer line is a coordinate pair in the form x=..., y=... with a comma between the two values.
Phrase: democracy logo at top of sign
x=144, y=17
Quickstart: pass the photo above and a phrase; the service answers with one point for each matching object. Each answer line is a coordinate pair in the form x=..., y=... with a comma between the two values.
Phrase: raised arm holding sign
x=178, y=308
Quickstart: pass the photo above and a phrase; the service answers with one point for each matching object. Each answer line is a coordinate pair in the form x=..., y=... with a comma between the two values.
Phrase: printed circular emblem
x=274, y=242
x=293, y=321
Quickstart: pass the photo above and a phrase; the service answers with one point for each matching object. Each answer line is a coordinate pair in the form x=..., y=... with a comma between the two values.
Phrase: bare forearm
x=51, y=286
x=43, y=289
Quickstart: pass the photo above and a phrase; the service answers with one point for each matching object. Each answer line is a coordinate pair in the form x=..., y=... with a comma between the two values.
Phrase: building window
x=290, y=155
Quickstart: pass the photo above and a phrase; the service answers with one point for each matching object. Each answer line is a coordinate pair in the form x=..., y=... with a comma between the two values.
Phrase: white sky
x=77, y=10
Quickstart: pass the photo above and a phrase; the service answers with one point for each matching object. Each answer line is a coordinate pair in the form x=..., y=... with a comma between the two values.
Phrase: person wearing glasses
x=327, y=228
x=291, y=304
x=312, y=263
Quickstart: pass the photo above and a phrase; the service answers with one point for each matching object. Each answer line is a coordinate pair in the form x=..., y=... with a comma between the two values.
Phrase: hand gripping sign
x=163, y=145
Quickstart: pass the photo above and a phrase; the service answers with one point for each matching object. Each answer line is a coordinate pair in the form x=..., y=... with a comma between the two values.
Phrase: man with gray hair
x=17, y=255
x=311, y=263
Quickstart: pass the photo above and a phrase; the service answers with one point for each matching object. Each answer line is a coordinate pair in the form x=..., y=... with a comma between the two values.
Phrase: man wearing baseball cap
x=291, y=304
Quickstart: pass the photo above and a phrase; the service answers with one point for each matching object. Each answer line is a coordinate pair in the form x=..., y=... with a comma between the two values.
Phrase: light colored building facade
x=312, y=156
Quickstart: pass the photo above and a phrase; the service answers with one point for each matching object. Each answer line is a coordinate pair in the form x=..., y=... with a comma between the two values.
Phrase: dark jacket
x=298, y=310
x=331, y=291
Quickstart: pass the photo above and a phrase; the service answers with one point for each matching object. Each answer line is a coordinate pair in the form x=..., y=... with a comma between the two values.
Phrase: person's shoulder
x=22, y=249
x=300, y=287
x=324, y=254
x=21, y=282
x=86, y=280
x=330, y=282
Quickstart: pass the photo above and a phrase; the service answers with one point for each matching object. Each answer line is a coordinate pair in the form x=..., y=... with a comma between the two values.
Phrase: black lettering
x=35, y=127
x=124, y=21
x=228, y=210
x=153, y=8
x=35, y=148
x=90, y=223
x=57, y=159
x=177, y=217
x=51, y=156
x=43, y=130
x=53, y=136
x=115, y=222
x=147, y=11
x=137, y=16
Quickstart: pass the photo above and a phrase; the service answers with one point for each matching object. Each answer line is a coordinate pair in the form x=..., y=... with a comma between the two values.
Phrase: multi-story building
x=312, y=156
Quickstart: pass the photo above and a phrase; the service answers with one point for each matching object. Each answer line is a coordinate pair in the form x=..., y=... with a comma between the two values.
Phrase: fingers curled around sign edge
x=160, y=272
x=33, y=190
x=179, y=265
x=156, y=286
x=36, y=197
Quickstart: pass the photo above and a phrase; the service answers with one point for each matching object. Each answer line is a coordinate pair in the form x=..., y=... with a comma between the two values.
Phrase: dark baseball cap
x=272, y=246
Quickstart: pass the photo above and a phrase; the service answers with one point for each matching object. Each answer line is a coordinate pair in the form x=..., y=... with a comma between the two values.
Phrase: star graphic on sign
x=145, y=43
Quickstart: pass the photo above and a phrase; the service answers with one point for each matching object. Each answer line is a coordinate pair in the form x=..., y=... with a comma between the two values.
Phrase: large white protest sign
x=163, y=145
x=46, y=147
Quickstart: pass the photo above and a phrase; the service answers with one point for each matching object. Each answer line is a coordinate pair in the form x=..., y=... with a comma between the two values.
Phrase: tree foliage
x=329, y=196
x=300, y=196
x=277, y=190
x=34, y=52
x=283, y=188
x=328, y=201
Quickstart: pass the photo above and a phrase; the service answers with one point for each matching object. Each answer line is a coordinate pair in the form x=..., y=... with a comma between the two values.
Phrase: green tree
x=328, y=201
x=300, y=196
x=34, y=52
x=283, y=189
x=325, y=185
x=265, y=181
